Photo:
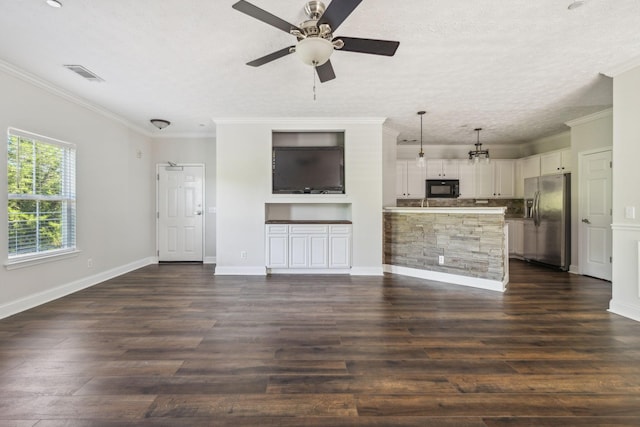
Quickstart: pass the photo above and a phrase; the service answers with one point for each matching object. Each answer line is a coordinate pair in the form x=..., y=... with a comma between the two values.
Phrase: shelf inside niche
x=308, y=211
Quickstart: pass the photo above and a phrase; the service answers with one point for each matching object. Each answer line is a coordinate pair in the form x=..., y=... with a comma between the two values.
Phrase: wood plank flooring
x=172, y=345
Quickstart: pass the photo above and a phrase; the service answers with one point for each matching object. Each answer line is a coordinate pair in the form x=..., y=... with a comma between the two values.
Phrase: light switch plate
x=630, y=212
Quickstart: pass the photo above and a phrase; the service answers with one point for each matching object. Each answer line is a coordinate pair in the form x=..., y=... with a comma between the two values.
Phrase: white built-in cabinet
x=410, y=180
x=308, y=246
x=277, y=239
x=495, y=179
x=555, y=162
x=442, y=168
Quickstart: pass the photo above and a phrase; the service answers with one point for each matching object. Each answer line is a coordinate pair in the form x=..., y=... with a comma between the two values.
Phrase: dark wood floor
x=173, y=345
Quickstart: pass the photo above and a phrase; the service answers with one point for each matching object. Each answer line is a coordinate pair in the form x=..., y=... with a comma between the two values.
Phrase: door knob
x=586, y=220
x=197, y=213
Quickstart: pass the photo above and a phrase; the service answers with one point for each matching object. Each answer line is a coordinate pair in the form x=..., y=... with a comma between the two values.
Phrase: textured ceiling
x=517, y=68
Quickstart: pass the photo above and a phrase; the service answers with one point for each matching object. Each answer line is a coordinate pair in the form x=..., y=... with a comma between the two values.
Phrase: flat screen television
x=315, y=170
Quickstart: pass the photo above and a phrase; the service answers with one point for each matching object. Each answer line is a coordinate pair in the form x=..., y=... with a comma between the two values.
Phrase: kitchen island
x=460, y=245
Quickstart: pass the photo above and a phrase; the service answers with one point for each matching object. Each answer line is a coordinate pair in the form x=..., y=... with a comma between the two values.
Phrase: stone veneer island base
x=473, y=242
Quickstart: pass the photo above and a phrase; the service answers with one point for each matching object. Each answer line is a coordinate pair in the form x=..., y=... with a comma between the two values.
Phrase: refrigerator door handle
x=534, y=209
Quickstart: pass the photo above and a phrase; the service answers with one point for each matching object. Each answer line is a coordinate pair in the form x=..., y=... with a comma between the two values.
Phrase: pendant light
x=420, y=159
x=478, y=154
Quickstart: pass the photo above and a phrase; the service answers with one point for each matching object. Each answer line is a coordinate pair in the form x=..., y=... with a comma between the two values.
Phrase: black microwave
x=443, y=188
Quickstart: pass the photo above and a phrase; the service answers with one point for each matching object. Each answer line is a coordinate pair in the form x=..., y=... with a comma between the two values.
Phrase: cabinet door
x=466, y=175
x=550, y=163
x=318, y=251
x=516, y=234
x=434, y=169
x=484, y=179
x=504, y=179
x=565, y=156
x=450, y=169
x=401, y=179
x=530, y=167
x=339, y=251
x=277, y=251
x=518, y=238
x=416, y=187
x=298, y=251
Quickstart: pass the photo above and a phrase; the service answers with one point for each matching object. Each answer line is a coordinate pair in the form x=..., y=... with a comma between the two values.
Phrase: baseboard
x=491, y=285
x=239, y=271
x=367, y=271
x=574, y=269
x=327, y=271
x=629, y=311
x=44, y=297
x=209, y=260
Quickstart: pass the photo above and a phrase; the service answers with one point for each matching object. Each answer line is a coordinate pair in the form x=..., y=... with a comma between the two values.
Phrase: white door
x=179, y=216
x=595, y=215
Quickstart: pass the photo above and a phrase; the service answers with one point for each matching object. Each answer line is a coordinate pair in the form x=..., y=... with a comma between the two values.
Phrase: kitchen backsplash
x=515, y=207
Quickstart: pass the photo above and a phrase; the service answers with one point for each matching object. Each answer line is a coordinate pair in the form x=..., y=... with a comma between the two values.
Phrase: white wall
x=626, y=231
x=546, y=144
x=243, y=179
x=194, y=150
x=115, y=193
x=389, y=156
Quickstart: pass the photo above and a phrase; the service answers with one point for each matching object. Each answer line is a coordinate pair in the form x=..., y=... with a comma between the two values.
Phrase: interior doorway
x=179, y=213
x=595, y=215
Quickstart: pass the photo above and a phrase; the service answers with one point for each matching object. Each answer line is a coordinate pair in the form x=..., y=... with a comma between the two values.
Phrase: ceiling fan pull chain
x=315, y=65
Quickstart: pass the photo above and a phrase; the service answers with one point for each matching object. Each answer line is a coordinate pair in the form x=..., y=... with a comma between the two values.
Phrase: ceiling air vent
x=83, y=72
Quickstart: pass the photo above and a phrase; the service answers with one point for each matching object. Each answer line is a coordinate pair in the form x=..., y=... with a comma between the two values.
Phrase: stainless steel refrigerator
x=547, y=222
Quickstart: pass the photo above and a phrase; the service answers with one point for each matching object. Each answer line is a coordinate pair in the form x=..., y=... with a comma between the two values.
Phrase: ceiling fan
x=316, y=41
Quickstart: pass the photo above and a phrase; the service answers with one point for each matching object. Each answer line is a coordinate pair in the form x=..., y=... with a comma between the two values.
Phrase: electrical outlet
x=90, y=263
x=243, y=254
x=440, y=259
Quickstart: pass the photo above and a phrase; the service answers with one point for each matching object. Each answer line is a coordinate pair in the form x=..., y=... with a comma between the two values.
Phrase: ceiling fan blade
x=337, y=12
x=325, y=72
x=270, y=57
x=264, y=16
x=372, y=46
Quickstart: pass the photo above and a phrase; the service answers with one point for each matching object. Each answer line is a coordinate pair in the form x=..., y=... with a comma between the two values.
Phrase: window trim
x=35, y=258
x=21, y=261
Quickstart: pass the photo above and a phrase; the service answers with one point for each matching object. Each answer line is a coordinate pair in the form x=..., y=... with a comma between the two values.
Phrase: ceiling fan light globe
x=314, y=51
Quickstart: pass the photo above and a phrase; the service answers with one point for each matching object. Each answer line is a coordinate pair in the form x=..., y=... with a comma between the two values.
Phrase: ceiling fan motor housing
x=314, y=9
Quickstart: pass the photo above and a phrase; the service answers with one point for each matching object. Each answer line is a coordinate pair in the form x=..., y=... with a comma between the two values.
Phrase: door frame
x=581, y=236
x=204, y=211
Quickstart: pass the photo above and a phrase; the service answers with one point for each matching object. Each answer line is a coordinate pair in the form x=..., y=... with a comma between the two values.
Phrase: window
x=41, y=196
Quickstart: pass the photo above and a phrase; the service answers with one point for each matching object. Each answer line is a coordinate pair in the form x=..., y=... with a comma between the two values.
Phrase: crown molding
x=591, y=117
x=281, y=121
x=185, y=135
x=27, y=77
x=623, y=67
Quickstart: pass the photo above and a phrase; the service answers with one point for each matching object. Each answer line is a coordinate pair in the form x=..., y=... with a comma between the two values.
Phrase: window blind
x=41, y=195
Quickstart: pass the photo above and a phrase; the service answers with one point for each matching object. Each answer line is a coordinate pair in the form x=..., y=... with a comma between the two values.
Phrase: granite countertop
x=498, y=210
x=307, y=221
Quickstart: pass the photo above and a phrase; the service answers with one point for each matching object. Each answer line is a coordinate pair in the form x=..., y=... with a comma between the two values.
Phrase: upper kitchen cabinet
x=530, y=166
x=410, y=180
x=466, y=174
x=555, y=162
x=442, y=169
x=495, y=179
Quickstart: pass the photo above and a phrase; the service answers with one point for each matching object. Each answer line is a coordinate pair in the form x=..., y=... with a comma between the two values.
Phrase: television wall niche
x=308, y=163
